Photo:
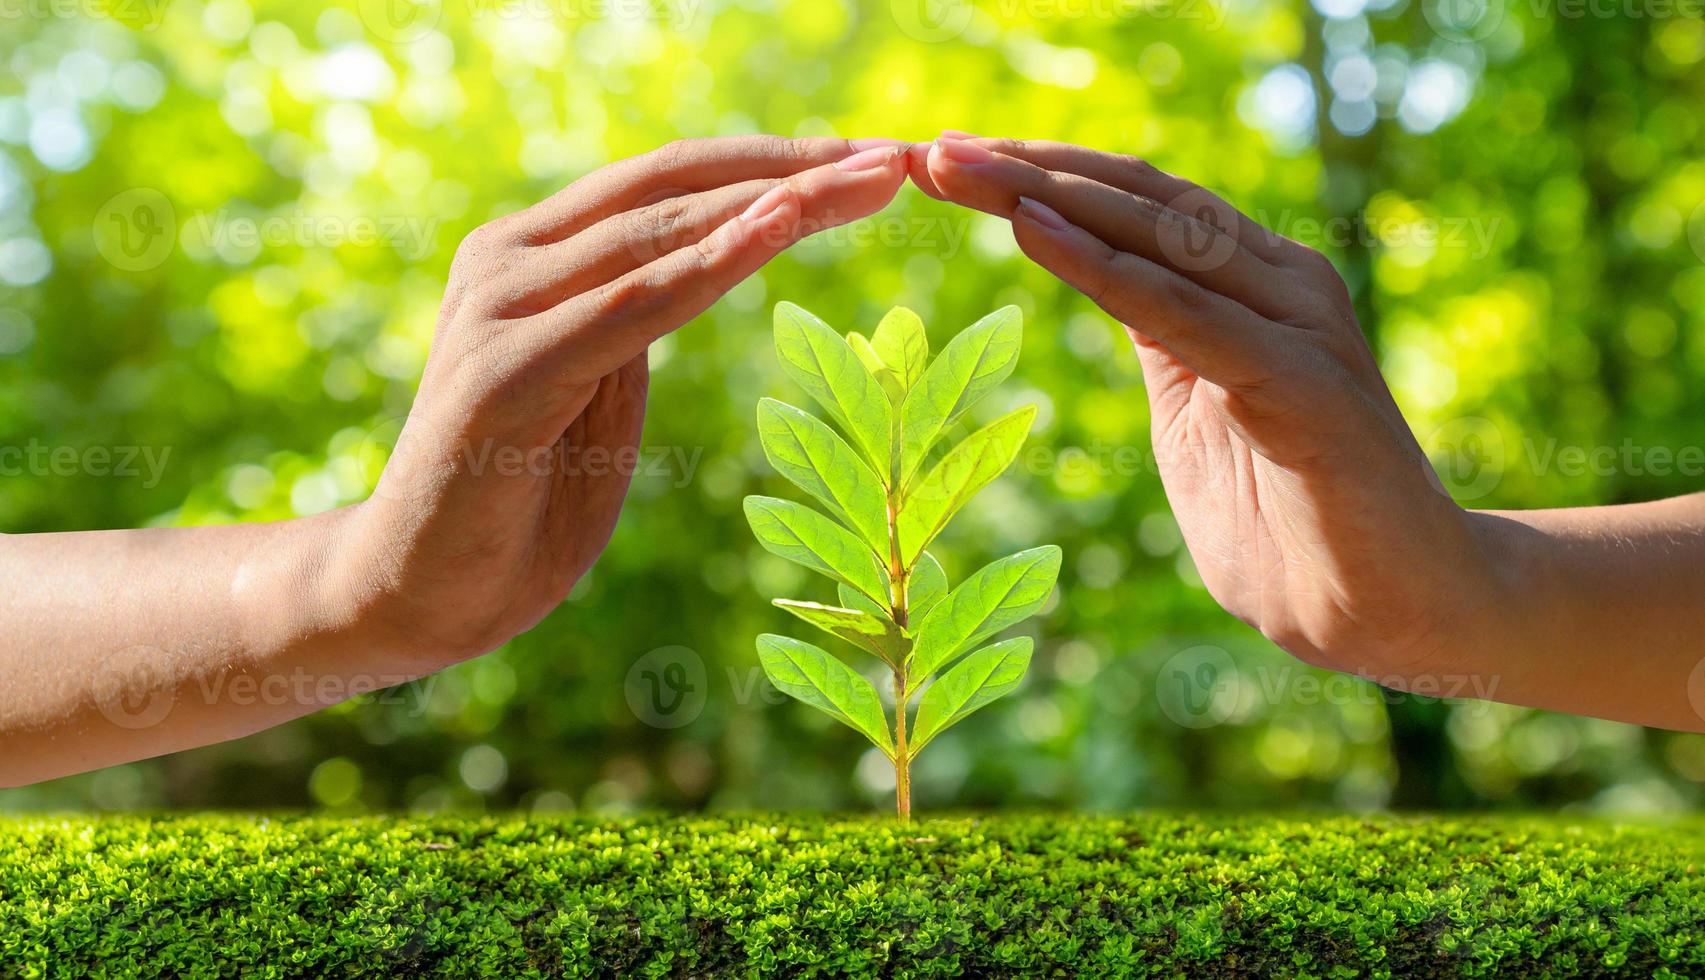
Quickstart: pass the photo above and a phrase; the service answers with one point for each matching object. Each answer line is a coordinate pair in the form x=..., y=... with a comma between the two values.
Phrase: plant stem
x=902, y=761
x=898, y=574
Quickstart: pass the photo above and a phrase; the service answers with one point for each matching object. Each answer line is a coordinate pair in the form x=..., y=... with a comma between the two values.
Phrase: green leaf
x=927, y=586
x=876, y=634
x=806, y=672
x=852, y=598
x=822, y=464
x=902, y=346
x=990, y=673
x=972, y=464
x=889, y=381
x=994, y=598
x=802, y=535
x=821, y=362
x=971, y=365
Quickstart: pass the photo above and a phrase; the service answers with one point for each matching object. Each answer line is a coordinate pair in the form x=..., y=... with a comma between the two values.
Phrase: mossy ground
x=800, y=895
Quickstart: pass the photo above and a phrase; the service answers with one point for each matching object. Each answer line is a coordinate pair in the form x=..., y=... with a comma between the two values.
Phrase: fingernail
x=1043, y=214
x=871, y=142
x=869, y=159
x=766, y=204
x=959, y=134
x=960, y=151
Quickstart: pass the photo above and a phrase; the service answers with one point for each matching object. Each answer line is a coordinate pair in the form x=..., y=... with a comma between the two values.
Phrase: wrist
x=1500, y=596
x=304, y=595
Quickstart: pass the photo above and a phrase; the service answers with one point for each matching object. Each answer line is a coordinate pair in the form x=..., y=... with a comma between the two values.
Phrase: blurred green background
x=225, y=227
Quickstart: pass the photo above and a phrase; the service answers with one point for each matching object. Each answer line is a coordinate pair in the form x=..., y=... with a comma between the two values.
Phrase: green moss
x=1152, y=894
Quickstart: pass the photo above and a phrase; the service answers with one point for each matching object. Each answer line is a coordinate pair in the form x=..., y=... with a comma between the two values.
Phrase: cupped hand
x=1309, y=508
x=506, y=482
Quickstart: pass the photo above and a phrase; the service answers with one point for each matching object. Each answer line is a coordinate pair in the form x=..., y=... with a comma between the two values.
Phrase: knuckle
x=1138, y=166
x=1187, y=294
x=674, y=153
x=475, y=245
x=1314, y=261
x=631, y=297
x=1099, y=288
x=708, y=253
x=796, y=151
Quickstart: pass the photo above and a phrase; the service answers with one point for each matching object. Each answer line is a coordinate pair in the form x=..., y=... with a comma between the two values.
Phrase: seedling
x=888, y=494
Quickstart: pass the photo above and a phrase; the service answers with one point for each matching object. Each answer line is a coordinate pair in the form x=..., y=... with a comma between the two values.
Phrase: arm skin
x=1606, y=609
x=503, y=489
x=1306, y=502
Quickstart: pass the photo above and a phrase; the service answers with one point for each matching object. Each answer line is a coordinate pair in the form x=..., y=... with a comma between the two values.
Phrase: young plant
x=888, y=495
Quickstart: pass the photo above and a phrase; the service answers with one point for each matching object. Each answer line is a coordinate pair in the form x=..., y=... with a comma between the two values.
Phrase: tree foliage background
x=225, y=226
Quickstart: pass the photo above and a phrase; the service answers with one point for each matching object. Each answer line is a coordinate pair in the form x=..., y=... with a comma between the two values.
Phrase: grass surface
x=1168, y=895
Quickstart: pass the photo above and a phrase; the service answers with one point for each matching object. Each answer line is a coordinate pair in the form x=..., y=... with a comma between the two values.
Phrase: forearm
x=123, y=645
x=1600, y=611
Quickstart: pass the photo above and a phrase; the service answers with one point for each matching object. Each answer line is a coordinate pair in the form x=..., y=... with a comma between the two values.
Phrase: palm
x=1221, y=490
x=1278, y=545
x=504, y=559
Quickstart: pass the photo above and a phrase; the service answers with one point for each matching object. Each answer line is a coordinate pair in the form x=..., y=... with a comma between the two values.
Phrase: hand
x=1310, y=510
x=510, y=472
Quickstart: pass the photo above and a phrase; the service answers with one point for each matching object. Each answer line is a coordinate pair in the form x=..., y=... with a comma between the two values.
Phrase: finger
x=548, y=274
x=1218, y=339
x=590, y=334
x=993, y=182
x=1139, y=177
x=917, y=162
x=683, y=166
x=917, y=168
